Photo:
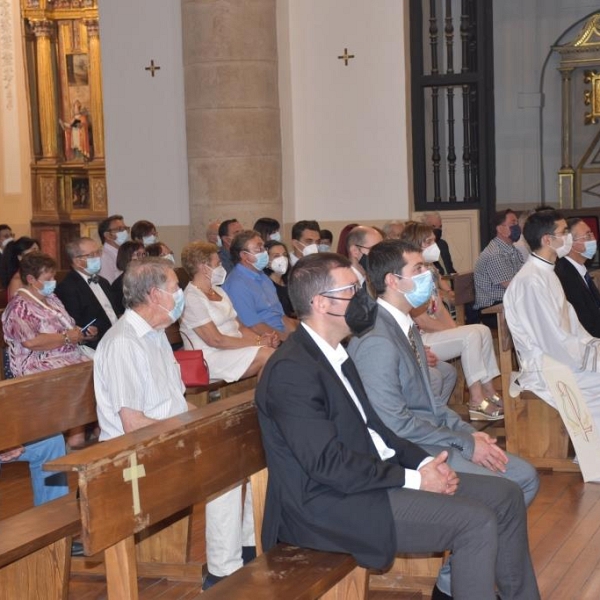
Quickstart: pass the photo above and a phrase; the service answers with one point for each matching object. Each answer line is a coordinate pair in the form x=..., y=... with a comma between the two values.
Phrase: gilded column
x=97, y=113
x=565, y=74
x=43, y=31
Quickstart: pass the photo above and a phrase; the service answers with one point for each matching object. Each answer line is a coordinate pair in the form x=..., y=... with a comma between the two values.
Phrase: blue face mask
x=261, y=260
x=48, y=287
x=591, y=246
x=93, y=265
x=276, y=237
x=422, y=291
x=324, y=247
x=147, y=240
x=177, y=309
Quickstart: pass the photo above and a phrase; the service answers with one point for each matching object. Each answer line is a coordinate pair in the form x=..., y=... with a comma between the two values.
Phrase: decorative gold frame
x=591, y=97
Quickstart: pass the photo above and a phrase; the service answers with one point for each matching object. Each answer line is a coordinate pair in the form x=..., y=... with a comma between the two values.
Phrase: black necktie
x=93, y=279
x=593, y=289
x=413, y=345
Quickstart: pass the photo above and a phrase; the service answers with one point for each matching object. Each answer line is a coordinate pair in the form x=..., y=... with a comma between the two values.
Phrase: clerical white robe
x=541, y=322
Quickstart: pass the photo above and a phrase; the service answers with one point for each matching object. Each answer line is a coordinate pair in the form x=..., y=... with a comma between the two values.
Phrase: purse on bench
x=194, y=370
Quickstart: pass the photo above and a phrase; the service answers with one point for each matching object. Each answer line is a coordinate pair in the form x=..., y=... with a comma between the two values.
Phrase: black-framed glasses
x=118, y=229
x=95, y=254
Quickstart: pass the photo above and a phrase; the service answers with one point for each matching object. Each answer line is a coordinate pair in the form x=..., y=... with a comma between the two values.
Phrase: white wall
x=146, y=155
x=344, y=129
x=524, y=31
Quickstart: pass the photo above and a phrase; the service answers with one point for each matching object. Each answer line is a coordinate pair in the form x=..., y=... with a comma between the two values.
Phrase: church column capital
x=92, y=26
x=42, y=28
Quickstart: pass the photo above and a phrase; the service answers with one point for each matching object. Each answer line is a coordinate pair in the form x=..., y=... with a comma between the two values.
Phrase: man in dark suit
x=340, y=480
x=84, y=293
x=579, y=287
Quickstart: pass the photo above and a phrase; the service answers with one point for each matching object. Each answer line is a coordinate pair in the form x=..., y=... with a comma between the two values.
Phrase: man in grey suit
x=391, y=361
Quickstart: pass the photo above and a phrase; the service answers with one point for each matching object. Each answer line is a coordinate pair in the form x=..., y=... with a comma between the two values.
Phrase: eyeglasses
x=139, y=255
x=118, y=229
x=588, y=236
x=261, y=249
x=353, y=286
x=95, y=254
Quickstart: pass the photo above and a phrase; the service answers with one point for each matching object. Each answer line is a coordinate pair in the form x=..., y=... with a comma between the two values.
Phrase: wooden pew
x=534, y=429
x=124, y=491
x=35, y=545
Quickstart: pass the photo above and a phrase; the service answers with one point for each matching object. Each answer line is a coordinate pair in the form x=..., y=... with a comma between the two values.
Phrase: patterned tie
x=413, y=345
x=93, y=279
x=593, y=289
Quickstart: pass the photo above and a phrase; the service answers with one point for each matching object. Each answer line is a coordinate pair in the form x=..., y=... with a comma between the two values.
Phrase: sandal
x=485, y=411
x=497, y=400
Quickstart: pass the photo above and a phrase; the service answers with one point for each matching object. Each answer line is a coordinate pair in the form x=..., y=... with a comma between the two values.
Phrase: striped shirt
x=134, y=368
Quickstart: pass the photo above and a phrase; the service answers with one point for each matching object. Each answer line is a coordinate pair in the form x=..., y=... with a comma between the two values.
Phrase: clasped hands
x=76, y=335
x=437, y=476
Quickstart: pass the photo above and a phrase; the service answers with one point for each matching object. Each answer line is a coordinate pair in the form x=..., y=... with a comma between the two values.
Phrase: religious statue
x=77, y=133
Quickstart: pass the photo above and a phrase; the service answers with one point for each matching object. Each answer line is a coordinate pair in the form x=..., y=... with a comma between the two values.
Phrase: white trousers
x=474, y=345
x=229, y=526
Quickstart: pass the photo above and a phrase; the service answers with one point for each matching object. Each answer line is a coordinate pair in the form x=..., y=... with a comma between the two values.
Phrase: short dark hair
x=239, y=244
x=388, y=257
x=311, y=276
x=224, y=227
x=4, y=226
x=140, y=229
x=105, y=225
x=299, y=228
x=538, y=225
x=500, y=217
x=125, y=253
x=35, y=263
x=416, y=233
x=266, y=226
x=9, y=263
x=326, y=235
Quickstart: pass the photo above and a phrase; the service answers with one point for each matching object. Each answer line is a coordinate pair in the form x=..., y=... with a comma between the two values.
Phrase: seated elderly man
x=578, y=285
x=541, y=320
x=138, y=382
x=359, y=243
x=341, y=481
x=252, y=293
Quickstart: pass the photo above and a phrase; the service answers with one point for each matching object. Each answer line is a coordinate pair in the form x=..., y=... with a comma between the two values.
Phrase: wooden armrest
x=493, y=310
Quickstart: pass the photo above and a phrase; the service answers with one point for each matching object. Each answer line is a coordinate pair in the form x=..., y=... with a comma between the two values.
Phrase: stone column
x=43, y=31
x=97, y=113
x=232, y=111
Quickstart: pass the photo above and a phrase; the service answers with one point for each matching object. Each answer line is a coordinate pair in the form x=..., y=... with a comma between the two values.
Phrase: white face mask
x=565, y=248
x=7, y=241
x=431, y=254
x=149, y=239
x=218, y=275
x=169, y=257
x=279, y=265
x=121, y=237
x=276, y=237
x=310, y=249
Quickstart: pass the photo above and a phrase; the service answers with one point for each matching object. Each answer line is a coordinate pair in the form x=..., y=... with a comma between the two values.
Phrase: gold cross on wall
x=346, y=57
x=152, y=67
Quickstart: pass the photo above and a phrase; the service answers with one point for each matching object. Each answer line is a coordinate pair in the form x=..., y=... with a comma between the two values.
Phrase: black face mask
x=364, y=261
x=438, y=234
x=361, y=312
x=515, y=233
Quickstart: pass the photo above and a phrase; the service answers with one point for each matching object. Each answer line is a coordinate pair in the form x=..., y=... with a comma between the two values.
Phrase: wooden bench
x=124, y=491
x=534, y=429
x=35, y=545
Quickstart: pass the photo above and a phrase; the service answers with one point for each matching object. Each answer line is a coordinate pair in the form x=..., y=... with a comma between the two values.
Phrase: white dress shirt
x=102, y=298
x=336, y=357
x=109, y=263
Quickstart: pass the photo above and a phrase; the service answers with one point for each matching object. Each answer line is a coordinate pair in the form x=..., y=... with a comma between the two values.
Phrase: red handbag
x=194, y=370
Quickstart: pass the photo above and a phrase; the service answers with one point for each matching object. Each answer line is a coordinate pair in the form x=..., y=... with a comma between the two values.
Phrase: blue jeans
x=46, y=485
x=517, y=470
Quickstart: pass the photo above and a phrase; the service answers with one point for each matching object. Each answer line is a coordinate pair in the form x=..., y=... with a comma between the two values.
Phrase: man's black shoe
x=77, y=548
x=437, y=594
x=210, y=580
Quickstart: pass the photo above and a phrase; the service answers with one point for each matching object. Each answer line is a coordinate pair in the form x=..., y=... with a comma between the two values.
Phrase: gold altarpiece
x=62, y=50
x=579, y=176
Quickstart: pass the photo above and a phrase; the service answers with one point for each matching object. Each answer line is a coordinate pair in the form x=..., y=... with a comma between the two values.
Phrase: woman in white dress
x=209, y=321
x=447, y=340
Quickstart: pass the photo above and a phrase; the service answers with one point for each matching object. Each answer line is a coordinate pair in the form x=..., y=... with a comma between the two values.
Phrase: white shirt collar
x=580, y=268
x=336, y=356
x=405, y=321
